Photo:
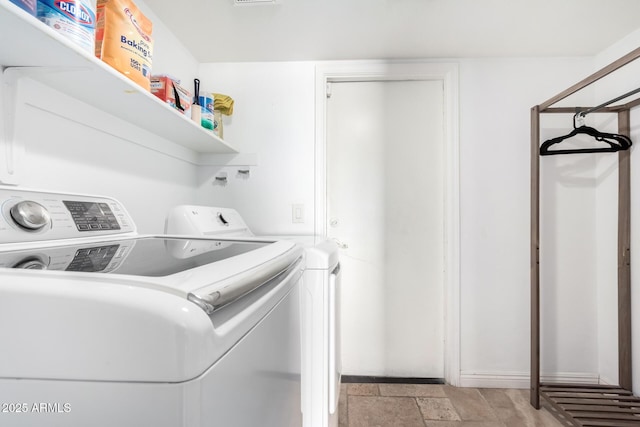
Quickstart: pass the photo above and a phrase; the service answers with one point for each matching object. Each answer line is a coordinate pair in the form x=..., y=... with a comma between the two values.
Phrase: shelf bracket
x=11, y=150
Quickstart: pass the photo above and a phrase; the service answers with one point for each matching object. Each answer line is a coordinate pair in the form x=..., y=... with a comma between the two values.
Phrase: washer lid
x=102, y=315
x=99, y=330
x=147, y=256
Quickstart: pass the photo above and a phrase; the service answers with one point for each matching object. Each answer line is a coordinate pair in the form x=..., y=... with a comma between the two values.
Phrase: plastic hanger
x=615, y=141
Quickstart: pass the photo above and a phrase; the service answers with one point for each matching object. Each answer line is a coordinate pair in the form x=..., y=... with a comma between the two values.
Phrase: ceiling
x=291, y=30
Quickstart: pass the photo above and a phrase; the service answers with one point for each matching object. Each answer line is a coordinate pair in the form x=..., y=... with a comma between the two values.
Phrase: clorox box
x=75, y=19
x=28, y=5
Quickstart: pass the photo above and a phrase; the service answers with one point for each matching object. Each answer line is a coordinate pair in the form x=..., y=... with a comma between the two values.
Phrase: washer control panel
x=27, y=215
x=205, y=221
x=90, y=216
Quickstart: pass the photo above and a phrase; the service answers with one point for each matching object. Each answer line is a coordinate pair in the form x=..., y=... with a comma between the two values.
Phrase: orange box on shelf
x=165, y=88
x=123, y=39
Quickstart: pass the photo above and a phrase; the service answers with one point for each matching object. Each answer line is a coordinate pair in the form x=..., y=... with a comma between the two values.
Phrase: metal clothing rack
x=588, y=404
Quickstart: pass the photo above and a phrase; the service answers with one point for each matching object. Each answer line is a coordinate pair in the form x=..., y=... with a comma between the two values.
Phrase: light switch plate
x=297, y=213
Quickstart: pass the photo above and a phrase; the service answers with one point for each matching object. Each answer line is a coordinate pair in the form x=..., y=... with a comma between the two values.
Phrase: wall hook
x=220, y=179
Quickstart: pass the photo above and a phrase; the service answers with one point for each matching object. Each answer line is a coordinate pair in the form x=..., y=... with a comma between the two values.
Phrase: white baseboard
x=521, y=379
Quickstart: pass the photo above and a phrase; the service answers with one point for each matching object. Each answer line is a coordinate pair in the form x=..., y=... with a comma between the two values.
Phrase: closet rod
x=611, y=101
x=615, y=109
x=631, y=56
x=574, y=110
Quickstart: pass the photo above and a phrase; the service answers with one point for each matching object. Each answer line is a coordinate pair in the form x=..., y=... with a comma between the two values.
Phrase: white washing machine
x=103, y=327
x=320, y=304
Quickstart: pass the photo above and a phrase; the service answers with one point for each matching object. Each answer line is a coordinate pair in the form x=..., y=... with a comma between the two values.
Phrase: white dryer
x=101, y=326
x=320, y=304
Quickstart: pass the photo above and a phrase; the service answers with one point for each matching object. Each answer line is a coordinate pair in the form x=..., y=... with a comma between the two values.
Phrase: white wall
x=275, y=110
x=606, y=260
x=273, y=117
x=170, y=56
x=74, y=147
x=496, y=96
x=569, y=320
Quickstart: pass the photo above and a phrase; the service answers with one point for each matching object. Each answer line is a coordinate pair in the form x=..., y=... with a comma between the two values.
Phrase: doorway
x=386, y=198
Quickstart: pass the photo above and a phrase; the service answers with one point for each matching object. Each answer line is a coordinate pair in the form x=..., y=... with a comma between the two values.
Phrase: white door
x=385, y=195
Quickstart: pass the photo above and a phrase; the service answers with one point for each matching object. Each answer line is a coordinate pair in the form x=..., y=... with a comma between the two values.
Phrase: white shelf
x=27, y=42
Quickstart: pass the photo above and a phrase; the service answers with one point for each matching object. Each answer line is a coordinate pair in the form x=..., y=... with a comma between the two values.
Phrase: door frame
x=363, y=71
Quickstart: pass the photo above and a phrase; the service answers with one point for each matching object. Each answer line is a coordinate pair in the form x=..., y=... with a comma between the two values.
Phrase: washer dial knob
x=31, y=264
x=30, y=215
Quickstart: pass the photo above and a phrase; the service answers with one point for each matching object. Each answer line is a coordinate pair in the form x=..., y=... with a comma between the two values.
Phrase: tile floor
x=427, y=405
